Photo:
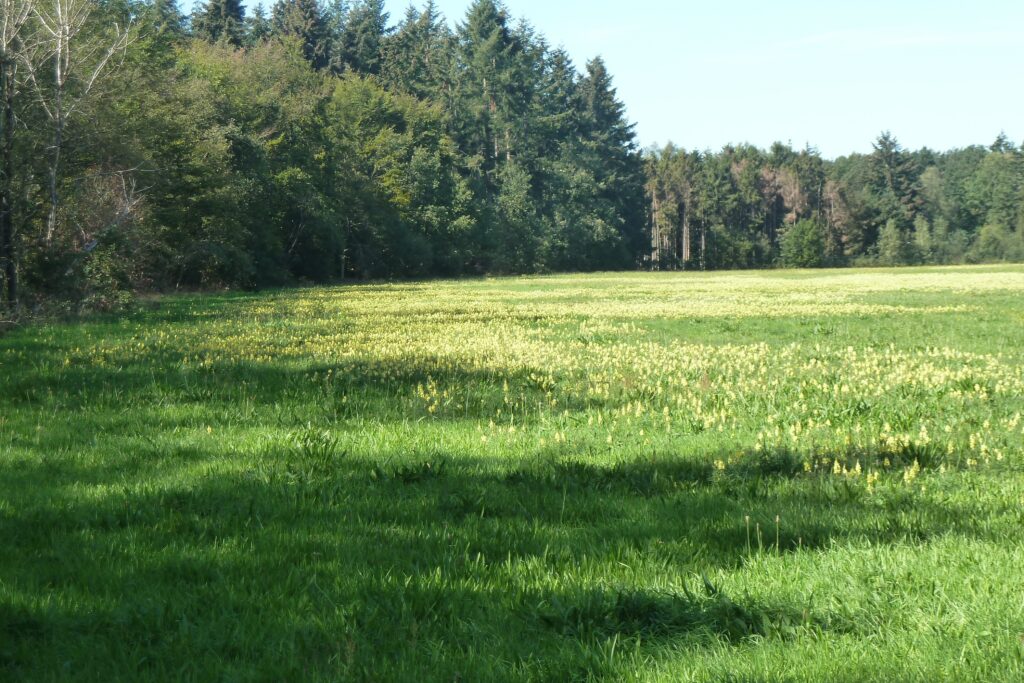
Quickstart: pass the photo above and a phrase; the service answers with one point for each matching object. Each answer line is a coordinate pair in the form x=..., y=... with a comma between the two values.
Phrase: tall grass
x=650, y=477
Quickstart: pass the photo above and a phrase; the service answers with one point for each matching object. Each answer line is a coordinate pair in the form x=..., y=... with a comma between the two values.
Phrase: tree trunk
x=703, y=244
x=685, y=252
x=58, y=138
x=7, y=251
x=51, y=218
x=656, y=225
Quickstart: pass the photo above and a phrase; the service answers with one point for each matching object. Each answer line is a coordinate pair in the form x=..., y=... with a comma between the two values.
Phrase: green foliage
x=895, y=246
x=803, y=245
x=417, y=58
x=996, y=242
x=359, y=44
x=419, y=151
x=324, y=144
x=257, y=26
x=732, y=208
x=923, y=239
x=993, y=193
x=304, y=21
x=517, y=241
x=220, y=20
x=894, y=175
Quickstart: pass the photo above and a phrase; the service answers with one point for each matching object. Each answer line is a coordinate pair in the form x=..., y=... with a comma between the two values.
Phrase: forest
x=144, y=150
x=270, y=410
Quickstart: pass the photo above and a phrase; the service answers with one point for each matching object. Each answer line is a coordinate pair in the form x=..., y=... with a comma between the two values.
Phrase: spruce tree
x=166, y=32
x=415, y=57
x=220, y=20
x=895, y=180
x=557, y=98
x=335, y=19
x=257, y=26
x=304, y=19
x=488, y=104
x=615, y=163
x=1002, y=144
x=361, y=39
x=164, y=18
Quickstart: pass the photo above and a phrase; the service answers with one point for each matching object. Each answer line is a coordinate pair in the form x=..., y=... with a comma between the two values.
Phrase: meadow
x=750, y=476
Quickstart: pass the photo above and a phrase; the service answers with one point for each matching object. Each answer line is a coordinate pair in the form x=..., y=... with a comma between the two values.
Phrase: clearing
x=651, y=477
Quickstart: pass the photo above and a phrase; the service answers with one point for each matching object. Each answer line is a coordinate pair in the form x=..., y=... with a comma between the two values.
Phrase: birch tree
x=77, y=59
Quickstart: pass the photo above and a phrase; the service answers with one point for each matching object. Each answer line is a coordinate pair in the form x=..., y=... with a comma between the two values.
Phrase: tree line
x=146, y=150
x=745, y=207
x=308, y=144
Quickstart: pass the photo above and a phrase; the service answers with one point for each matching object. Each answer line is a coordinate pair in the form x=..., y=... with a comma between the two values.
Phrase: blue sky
x=937, y=73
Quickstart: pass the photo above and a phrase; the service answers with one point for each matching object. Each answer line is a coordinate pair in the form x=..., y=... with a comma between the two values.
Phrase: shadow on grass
x=161, y=380
x=314, y=565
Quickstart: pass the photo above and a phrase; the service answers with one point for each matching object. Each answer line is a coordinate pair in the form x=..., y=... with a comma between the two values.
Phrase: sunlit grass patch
x=768, y=476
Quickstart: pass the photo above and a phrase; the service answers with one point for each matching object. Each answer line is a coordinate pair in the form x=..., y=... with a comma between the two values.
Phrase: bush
x=803, y=245
x=996, y=242
x=896, y=246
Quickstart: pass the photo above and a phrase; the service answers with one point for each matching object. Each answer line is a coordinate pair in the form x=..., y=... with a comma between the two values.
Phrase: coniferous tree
x=164, y=19
x=1002, y=144
x=895, y=176
x=257, y=26
x=335, y=18
x=220, y=20
x=487, y=50
x=416, y=56
x=361, y=40
x=558, y=117
x=615, y=162
x=993, y=193
x=528, y=67
x=554, y=145
x=304, y=20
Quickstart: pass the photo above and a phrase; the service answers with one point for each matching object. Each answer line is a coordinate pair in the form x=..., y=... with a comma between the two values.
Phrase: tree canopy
x=320, y=142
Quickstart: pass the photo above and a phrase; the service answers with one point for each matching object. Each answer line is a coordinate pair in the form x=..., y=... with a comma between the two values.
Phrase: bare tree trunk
x=52, y=175
x=703, y=242
x=686, y=235
x=656, y=224
x=62, y=45
x=7, y=254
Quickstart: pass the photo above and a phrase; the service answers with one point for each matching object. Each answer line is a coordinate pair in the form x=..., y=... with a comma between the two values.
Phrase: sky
x=832, y=74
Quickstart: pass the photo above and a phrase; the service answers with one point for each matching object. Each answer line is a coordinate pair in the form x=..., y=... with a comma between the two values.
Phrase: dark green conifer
x=304, y=19
x=362, y=37
x=257, y=26
x=220, y=20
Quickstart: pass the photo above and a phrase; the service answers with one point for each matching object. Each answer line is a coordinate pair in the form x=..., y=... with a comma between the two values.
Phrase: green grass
x=782, y=476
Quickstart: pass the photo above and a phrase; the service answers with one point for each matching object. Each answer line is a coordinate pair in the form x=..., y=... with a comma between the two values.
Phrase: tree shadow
x=318, y=565
x=325, y=392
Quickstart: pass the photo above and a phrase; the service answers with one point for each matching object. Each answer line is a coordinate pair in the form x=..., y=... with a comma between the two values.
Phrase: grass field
x=779, y=476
